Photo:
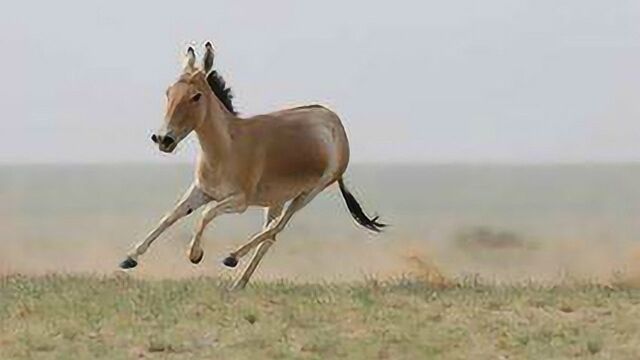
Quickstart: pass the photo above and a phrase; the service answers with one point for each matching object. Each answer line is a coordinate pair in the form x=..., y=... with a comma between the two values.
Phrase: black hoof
x=198, y=260
x=128, y=263
x=230, y=261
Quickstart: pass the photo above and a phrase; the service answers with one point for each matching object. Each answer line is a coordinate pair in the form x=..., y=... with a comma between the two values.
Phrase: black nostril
x=167, y=141
x=154, y=138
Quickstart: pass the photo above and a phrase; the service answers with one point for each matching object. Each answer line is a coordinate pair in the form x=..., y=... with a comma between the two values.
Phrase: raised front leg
x=232, y=204
x=271, y=214
x=192, y=199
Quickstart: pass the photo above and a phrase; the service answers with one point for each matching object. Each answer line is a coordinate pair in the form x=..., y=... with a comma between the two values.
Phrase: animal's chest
x=215, y=185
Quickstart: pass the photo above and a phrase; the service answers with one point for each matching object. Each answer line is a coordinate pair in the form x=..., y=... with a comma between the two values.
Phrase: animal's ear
x=190, y=60
x=207, y=61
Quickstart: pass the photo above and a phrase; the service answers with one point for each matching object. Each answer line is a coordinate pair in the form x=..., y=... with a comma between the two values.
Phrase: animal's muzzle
x=165, y=142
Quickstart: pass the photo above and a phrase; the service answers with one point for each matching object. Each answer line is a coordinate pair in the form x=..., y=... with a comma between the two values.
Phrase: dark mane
x=219, y=87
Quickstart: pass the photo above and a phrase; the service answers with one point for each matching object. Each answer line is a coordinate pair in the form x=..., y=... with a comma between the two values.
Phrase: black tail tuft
x=356, y=210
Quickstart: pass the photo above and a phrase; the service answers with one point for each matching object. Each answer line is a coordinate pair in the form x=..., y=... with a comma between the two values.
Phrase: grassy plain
x=118, y=317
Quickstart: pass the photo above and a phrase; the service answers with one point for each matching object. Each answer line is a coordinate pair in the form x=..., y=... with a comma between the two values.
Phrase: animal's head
x=187, y=101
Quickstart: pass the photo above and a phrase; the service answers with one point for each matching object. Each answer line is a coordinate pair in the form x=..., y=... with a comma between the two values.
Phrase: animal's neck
x=213, y=134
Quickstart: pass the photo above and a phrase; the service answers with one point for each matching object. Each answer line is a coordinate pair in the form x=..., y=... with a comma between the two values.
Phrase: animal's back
x=297, y=148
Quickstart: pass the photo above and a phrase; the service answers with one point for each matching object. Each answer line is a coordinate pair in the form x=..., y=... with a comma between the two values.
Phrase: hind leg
x=276, y=226
x=271, y=214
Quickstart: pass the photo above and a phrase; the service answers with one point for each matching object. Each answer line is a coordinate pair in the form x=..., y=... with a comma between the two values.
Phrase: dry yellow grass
x=423, y=269
x=88, y=317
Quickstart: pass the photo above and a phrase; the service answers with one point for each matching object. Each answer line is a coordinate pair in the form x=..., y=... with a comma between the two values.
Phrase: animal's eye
x=196, y=97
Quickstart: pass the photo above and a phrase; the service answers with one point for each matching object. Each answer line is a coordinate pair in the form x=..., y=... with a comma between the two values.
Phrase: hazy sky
x=435, y=81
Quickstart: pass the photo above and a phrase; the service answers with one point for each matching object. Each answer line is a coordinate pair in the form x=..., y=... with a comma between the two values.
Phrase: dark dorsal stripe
x=219, y=87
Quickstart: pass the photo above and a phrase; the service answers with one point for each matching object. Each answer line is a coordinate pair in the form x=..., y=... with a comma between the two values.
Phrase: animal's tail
x=356, y=210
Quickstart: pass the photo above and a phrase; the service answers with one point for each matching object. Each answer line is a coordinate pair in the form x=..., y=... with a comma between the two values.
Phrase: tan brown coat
x=279, y=161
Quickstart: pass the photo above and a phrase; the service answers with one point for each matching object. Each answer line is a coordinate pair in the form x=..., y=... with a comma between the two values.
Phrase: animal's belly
x=280, y=190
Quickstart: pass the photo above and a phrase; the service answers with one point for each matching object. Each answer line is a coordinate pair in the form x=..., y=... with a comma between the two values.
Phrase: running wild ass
x=279, y=161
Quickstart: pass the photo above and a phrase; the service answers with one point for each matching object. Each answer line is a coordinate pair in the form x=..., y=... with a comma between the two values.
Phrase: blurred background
x=498, y=137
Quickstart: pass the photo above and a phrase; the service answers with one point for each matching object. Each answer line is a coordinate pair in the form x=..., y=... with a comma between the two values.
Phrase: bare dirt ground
x=495, y=256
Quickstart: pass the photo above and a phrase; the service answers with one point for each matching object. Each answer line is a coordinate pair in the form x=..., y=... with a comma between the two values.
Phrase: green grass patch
x=85, y=317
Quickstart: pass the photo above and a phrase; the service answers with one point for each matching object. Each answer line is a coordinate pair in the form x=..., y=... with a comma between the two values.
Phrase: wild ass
x=279, y=161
